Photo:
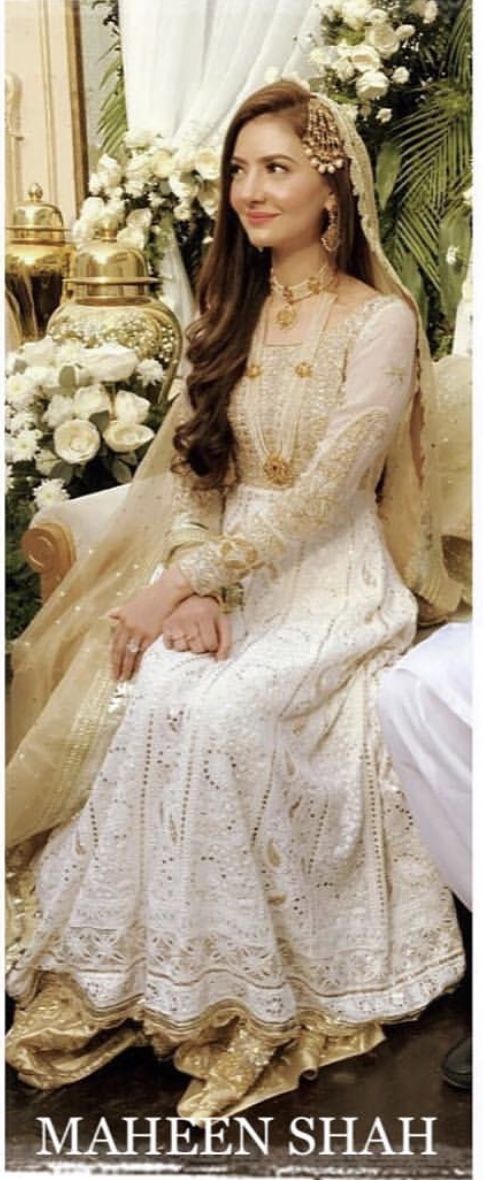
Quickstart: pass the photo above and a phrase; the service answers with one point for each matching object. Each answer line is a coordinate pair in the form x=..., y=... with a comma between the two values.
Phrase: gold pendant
x=278, y=470
x=286, y=316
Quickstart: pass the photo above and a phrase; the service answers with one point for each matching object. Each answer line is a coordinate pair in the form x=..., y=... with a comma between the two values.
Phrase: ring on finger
x=133, y=647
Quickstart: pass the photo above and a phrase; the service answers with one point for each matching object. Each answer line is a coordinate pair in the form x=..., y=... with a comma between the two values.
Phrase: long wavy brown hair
x=233, y=285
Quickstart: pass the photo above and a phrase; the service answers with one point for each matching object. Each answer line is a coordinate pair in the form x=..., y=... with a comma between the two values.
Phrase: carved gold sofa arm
x=50, y=551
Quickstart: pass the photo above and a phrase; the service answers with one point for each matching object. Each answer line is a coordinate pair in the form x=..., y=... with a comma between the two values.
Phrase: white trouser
x=425, y=711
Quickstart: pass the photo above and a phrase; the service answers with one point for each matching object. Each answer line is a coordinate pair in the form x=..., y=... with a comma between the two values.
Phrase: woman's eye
x=234, y=169
x=274, y=167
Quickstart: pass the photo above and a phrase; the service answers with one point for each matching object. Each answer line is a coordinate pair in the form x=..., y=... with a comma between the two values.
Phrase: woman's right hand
x=199, y=625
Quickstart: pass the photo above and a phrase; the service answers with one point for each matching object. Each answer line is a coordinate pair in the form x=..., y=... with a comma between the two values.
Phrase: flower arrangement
x=77, y=420
x=152, y=189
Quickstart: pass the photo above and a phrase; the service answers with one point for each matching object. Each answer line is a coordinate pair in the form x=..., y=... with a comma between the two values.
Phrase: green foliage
x=113, y=118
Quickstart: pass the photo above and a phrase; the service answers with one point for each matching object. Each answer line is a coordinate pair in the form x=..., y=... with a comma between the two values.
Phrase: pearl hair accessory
x=321, y=140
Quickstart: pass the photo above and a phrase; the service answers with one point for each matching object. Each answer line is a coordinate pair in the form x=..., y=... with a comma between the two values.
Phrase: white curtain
x=189, y=63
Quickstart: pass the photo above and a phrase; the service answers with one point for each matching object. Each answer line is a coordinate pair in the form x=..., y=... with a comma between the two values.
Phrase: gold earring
x=331, y=236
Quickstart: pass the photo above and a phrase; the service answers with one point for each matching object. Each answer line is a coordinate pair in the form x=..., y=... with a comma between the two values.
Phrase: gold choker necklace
x=287, y=315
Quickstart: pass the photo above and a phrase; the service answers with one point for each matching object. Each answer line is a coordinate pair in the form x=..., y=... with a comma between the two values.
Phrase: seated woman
x=215, y=857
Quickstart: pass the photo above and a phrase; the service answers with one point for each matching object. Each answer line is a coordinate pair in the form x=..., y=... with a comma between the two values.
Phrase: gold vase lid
x=105, y=270
x=36, y=220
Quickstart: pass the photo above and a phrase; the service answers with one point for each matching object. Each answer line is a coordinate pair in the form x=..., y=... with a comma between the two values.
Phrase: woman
x=243, y=886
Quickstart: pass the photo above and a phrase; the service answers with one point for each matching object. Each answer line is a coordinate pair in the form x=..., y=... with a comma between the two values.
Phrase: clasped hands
x=167, y=607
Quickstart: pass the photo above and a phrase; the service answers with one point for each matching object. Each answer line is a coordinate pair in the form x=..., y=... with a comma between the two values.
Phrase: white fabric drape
x=189, y=63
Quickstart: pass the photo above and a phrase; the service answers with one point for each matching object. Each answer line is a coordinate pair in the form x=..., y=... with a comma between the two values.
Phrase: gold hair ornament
x=321, y=140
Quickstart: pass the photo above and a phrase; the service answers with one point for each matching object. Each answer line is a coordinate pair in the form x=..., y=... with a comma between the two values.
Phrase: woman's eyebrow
x=265, y=159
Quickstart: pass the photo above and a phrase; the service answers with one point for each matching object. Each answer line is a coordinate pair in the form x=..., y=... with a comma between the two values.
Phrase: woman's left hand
x=140, y=620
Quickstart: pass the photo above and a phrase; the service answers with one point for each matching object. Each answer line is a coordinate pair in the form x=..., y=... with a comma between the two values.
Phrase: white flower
x=22, y=420
x=70, y=352
x=92, y=209
x=184, y=189
x=132, y=236
x=209, y=197
x=114, y=209
x=82, y=232
x=139, y=138
x=271, y=75
x=109, y=171
x=77, y=441
x=123, y=437
x=11, y=360
x=129, y=407
x=365, y=57
x=59, y=409
x=162, y=164
x=355, y=13
x=149, y=371
x=110, y=362
x=384, y=115
x=50, y=492
x=40, y=352
x=134, y=188
x=344, y=69
x=404, y=32
x=401, y=75
x=208, y=163
x=140, y=218
x=90, y=399
x=182, y=212
x=41, y=376
x=452, y=255
x=318, y=58
x=19, y=391
x=372, y=84
x=9, y=478
x=139, y=167
x=24, y=446
x=377, y=16
x=384, y=38
x=430, y=12
x=155, y=201
x=45, y=460
x=95, y=184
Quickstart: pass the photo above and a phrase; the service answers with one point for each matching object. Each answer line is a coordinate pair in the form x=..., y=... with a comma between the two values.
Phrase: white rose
x=77, y=441
x=123, y=437
x=365, y=57
x=372, y=84
x=150, y=372
x=139, y=138
x=404, y=32
x=129, y=407
x=60, y=409
x=384, y=115
x=11, y=360
x=140, y=218
x=70, y=352
x=208, y=164
x=400, y=76
x=90, y=399
x=110, y=362
x=82, y=232
x=134, y=188
x=139, y=167
x=45, y=460
x=92, y=209
x=209, y=197
x=132, y=236
x=24, y=446
x=40, y=352
x=50, y=492
x=384, y=38
x=41, y=376
x=155, y=201
x=162, y=164
x=344, y=69
x=355, y=13
x=377, y=16
x=19, y=391
x=430, y=12
x=114, y=209
x=109, y=170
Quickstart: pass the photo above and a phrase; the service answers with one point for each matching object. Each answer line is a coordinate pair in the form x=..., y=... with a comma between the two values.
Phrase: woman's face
x=278, y=195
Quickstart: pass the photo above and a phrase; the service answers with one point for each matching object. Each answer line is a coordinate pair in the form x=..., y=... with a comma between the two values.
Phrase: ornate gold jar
x=108, y=299
x=37, y=261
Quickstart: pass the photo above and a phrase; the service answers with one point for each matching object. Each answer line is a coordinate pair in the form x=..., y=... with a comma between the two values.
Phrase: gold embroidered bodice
x=362, y=377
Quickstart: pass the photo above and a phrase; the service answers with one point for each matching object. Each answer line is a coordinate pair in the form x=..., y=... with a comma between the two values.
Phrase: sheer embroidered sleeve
x=378, y=383
x=196, y=513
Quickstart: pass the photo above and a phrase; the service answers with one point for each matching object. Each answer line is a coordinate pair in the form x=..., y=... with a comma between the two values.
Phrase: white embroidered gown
x=246, y=846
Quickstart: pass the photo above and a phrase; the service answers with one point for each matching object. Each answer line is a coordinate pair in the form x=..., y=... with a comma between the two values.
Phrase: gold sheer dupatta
x=63, y=705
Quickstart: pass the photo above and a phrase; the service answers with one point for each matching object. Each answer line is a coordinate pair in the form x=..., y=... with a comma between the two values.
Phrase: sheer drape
x=189, y=63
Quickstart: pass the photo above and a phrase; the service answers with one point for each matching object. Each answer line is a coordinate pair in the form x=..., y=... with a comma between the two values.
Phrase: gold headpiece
x=321, y=139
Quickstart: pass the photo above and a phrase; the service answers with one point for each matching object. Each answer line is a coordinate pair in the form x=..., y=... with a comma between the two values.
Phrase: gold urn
x=37, y=261
x=108, y=299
